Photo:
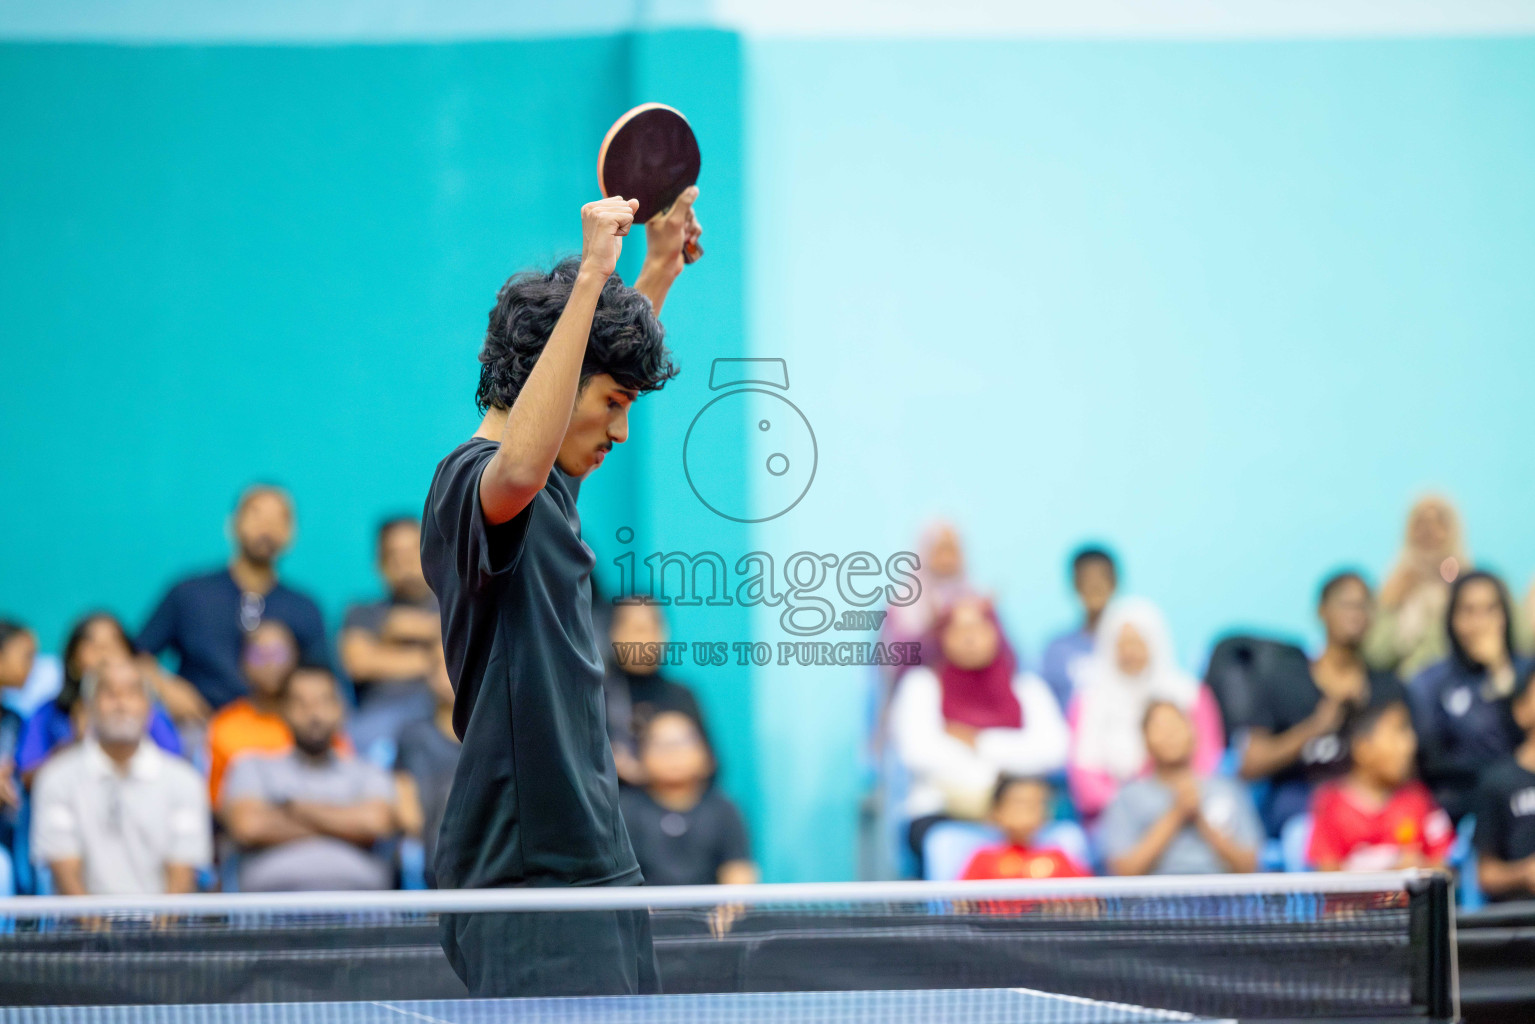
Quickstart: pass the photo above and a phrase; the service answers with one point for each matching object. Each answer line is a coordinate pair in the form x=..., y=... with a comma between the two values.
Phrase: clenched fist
x=603, y=227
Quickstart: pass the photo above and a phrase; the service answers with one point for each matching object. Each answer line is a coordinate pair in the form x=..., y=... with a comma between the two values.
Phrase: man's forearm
x=68, y=877
x=1500, y=877
x=1143, y=856
x=1267, y=753
x=362, y=824
x=655, y=282
x=538, y=419
x=180, y=878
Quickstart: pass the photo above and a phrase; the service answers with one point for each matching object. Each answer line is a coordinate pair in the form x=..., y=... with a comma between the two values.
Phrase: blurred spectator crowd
x=1406, y=740
x=277, y=758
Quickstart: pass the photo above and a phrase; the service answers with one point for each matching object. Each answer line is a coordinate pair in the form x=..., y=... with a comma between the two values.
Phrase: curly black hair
x=627, y=341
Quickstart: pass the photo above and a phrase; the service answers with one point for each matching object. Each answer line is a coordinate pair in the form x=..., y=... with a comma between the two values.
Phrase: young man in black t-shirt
x=534, y=800
x=1505, y=809
x=1297, y=735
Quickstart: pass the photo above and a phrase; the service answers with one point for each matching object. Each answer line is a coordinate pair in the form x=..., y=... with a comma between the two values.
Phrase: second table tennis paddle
x=650, y=154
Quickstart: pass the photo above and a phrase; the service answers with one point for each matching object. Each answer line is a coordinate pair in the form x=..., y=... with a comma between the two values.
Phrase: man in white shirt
x=114, y=814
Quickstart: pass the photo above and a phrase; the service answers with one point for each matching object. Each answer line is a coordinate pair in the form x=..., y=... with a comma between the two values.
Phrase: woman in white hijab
x=1131, y=667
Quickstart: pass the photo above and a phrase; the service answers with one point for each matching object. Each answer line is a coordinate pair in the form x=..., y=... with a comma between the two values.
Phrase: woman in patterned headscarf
x=1409, y=626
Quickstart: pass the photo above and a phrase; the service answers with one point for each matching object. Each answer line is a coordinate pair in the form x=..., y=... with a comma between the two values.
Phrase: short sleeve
x=1488, y=804
x=1261, y=715
x=55, y=824
x=160, y=631
x=309, y=630
x=243, y=780
x=359, y=616
x=1325, y=844
x=375, y=783
x=476, y=551
x=733, y=842
x=36, y=741
x=1118, y=831
x=1436, y=828
x=163, y=731
x=190, y=839
x=981, y=866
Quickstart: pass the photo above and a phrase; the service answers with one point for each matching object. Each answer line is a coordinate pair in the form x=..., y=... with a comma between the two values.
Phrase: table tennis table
x=925, y=1006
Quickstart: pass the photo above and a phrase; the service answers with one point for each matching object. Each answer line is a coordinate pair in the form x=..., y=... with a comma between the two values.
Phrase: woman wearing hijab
x=1460, y=705
x=1131, y=667
x=974, y=715
x=1409, y=626
x=942, y=582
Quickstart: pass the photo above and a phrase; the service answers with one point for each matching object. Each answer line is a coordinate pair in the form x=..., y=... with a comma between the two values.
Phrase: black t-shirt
x=200, y=619
x=1504, y=805
x=427, y=755
x=685, y=847
x=535, y=796
x=1284, y=703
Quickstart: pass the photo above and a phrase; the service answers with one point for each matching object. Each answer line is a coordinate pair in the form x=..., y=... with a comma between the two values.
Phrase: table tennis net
x=1263, y=946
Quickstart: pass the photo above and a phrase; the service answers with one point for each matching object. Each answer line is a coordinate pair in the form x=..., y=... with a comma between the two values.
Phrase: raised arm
x=665, y=239
x=538, y=419
x=1267, y=753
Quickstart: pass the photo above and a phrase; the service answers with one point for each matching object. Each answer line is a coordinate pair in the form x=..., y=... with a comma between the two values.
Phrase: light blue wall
x=1226, y=306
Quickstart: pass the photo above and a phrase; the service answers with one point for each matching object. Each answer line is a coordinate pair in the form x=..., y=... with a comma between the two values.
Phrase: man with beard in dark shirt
x=534, y=800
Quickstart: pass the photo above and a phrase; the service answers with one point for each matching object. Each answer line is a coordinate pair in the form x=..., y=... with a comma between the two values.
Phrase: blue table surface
x=926, y=1006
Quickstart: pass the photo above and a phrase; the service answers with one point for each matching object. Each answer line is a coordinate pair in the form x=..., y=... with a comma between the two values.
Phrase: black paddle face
x=652, y=156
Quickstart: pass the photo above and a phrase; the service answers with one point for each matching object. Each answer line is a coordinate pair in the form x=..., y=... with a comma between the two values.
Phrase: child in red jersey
x=1377, y=817
x=1020, y=807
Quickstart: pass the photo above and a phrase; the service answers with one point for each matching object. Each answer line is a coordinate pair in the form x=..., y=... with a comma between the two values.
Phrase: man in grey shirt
x=114, y=815
x=309, y=818
x=1172, y=822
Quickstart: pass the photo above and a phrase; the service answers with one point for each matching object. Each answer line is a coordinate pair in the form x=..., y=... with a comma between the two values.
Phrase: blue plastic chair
x=1294, y=840
x=412, y=864
x=1468, y=887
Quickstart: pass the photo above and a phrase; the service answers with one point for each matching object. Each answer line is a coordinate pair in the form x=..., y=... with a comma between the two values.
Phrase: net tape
x=1282, y=945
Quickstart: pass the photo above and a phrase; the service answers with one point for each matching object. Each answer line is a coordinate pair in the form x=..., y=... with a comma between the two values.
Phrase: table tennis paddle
x=650, y=154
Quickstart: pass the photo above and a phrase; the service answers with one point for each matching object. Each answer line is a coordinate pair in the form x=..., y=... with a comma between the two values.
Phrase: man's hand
x=182, y=701
x=666, y=239
x=8, y=795
x=1327, y=717
x=407, y=625
x=966, y=734
x=603, y=227
x=667, y=236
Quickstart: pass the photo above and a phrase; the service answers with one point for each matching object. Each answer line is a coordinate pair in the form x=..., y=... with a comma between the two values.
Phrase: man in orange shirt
x=254, y=724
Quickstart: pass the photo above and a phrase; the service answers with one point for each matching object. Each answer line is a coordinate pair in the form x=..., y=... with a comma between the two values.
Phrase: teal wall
x=1228, y=306
x=223, y=264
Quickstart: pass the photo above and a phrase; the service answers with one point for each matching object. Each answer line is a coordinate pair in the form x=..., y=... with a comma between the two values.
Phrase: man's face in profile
x=599, y=420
